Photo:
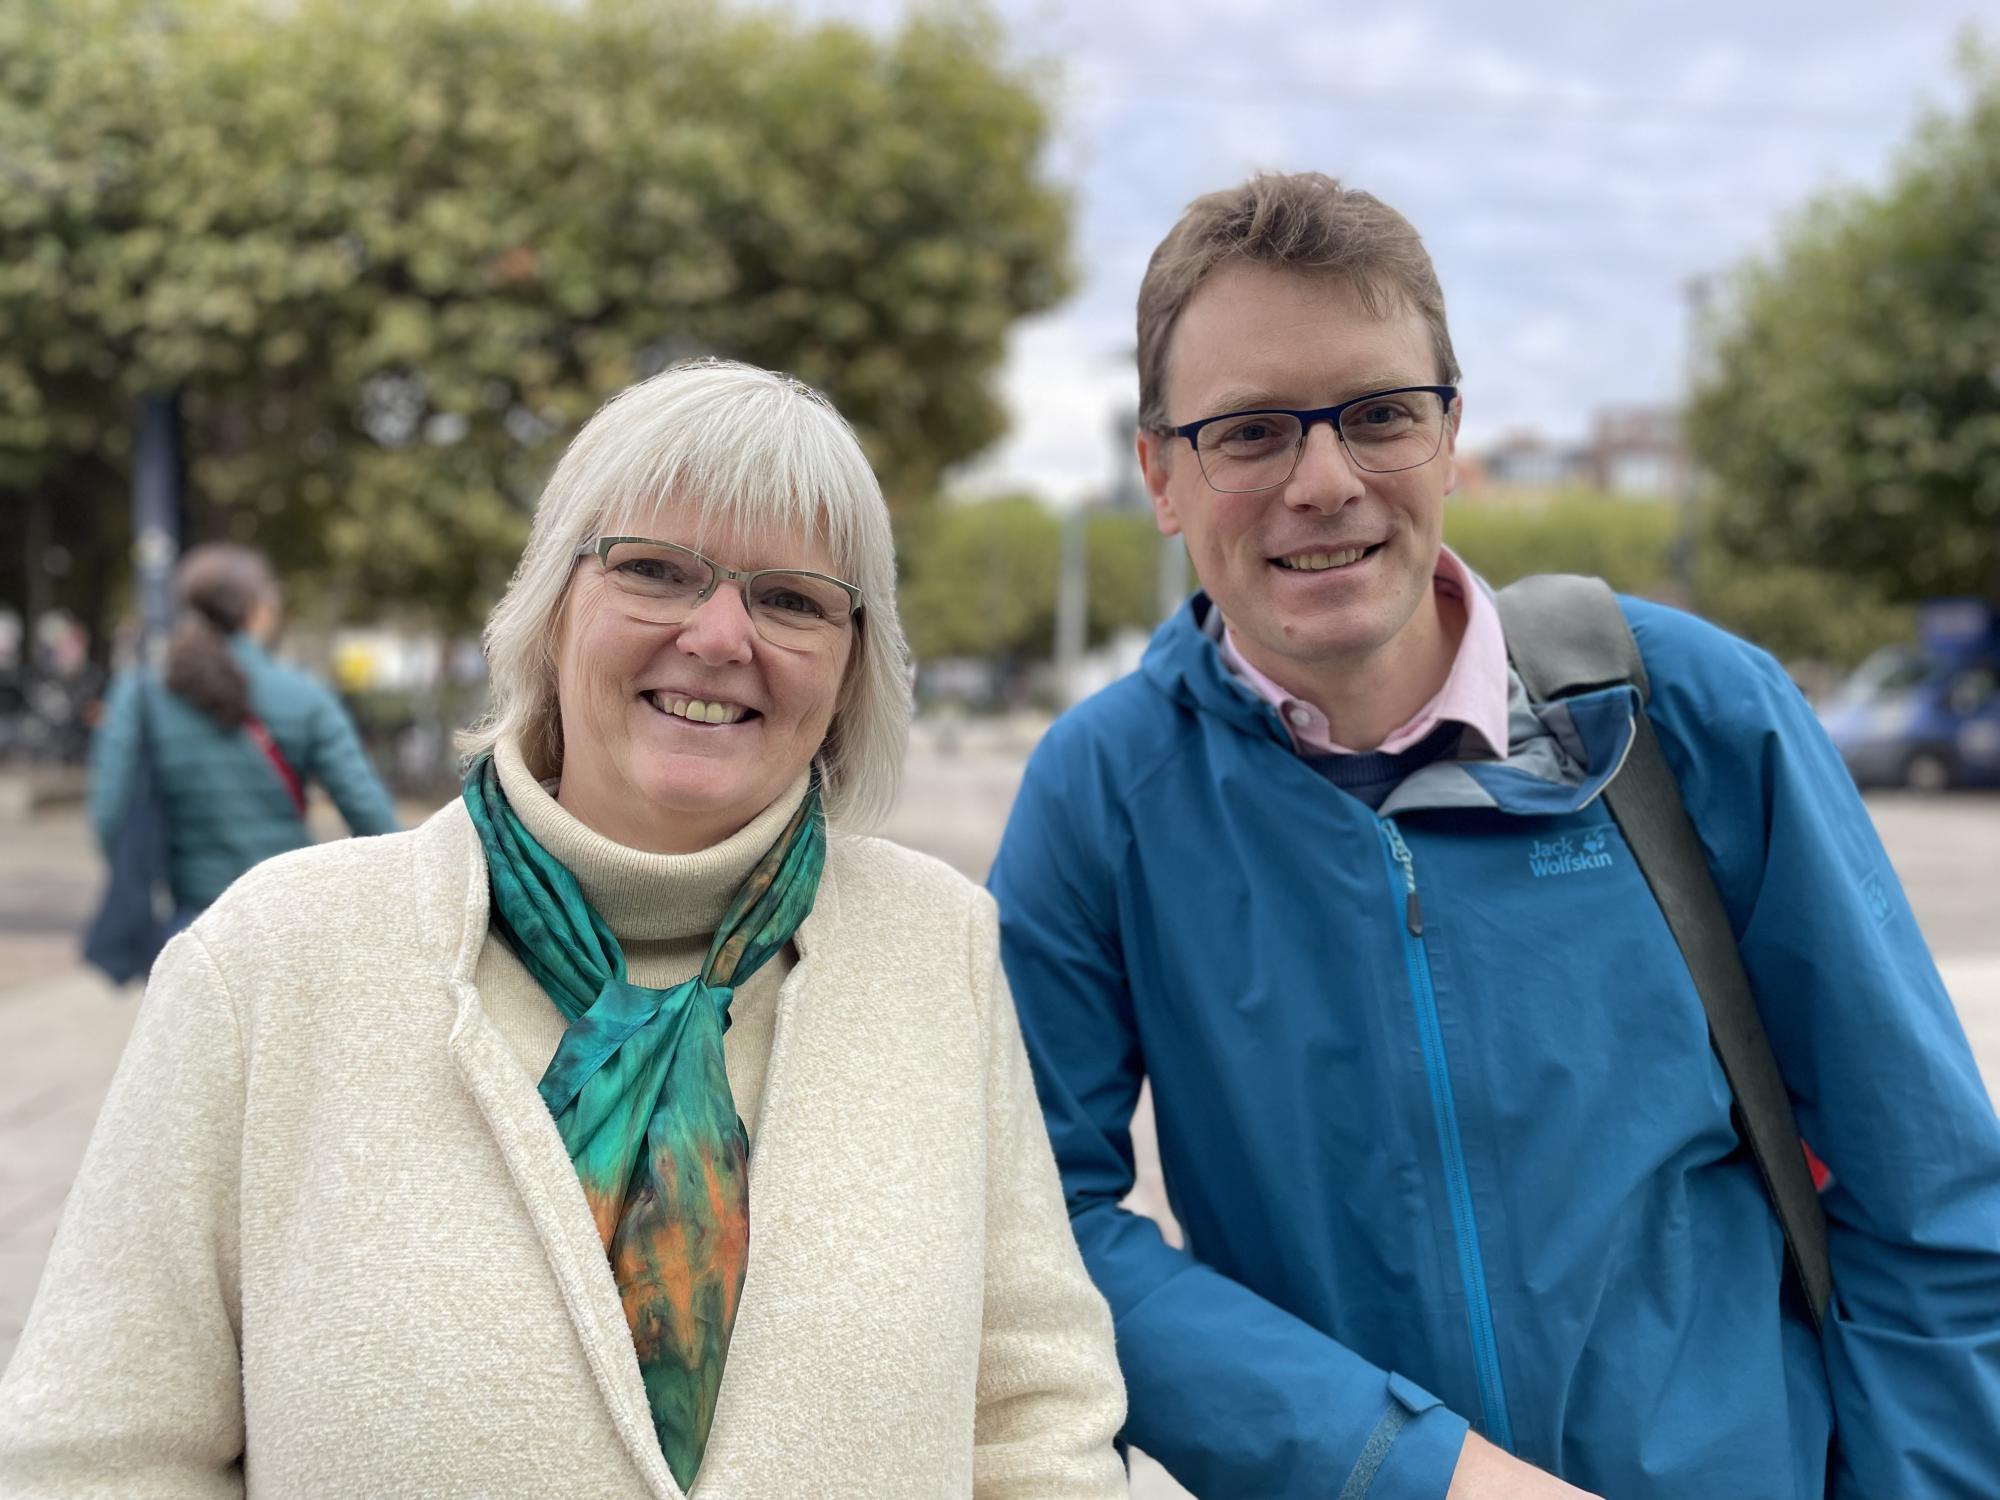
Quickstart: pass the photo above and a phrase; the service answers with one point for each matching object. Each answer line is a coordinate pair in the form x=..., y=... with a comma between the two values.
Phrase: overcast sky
x=1570, y=165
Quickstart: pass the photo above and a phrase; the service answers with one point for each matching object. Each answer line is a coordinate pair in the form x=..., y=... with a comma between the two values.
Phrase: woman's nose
x=719, y=631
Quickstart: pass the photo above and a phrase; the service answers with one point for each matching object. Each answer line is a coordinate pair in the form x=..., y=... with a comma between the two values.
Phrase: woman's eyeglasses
x=665, y=583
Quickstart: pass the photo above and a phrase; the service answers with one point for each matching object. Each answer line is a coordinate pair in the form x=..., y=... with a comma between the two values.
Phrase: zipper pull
x=1413, y=913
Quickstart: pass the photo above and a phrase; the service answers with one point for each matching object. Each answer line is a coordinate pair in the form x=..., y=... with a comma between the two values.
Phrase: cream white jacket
x=326, y=1240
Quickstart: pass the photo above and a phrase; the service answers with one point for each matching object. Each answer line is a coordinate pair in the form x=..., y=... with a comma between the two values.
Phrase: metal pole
x=35, y=602
x=1173, y=585
x=1687, y=544
x=1072, y=603
x=156, y=517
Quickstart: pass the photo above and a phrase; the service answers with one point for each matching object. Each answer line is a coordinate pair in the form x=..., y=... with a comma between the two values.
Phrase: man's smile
x=1321, y=562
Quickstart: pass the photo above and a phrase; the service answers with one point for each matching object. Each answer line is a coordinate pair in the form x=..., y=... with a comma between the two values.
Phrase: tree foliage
x=1852, y=420
x=981, y=579
x=394, y=255
x=1800, y=614
x=1627, y=543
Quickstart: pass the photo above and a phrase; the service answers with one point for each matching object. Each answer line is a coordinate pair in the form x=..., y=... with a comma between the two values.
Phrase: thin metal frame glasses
x=1381, y=447
x=791, y=607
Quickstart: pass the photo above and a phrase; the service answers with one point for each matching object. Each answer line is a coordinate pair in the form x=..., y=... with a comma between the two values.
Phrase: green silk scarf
x=641, y=1097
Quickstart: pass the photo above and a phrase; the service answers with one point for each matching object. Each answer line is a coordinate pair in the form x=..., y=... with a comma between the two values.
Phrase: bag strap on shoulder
x=261, y=737
x=1567, y=635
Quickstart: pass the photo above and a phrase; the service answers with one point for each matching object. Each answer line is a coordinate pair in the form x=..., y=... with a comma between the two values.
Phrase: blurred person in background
x=235, y=737
x=633, y=1127
x=1436, y=1102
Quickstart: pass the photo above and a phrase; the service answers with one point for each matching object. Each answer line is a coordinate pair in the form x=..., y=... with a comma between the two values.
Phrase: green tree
x=1800, y=614
x=1122, y=561
x=1852, y=419
x=394, y=255
x=981, y=579
x=1627, y=543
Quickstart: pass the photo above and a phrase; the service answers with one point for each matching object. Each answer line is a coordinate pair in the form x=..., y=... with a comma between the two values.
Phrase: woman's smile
x=699, y=712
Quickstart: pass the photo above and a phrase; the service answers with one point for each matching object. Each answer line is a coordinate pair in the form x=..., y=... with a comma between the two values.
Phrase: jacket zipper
x=1472, y=1271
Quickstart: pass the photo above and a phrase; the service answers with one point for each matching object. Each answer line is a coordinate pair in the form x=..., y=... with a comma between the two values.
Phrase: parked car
x=1925, y=715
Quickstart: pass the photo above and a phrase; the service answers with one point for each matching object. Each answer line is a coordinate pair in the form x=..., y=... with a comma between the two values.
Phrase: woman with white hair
x=633, y=1127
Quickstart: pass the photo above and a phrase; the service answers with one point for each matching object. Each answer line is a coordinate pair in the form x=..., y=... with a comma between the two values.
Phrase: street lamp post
x=1687, y=544
x=1072, y=602
x=1126, y=495
x=1171, y=585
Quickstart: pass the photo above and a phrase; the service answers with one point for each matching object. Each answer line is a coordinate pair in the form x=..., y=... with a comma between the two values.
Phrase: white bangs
x=728, y=464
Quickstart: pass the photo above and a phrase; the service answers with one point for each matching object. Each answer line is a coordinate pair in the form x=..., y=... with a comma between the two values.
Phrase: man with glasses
x=1465, y=1206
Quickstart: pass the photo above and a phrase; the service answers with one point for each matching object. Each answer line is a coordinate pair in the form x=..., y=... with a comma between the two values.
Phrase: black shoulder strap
x=1566, y=635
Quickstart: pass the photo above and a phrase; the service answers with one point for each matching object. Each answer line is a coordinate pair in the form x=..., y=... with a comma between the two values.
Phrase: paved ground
x=61, y=1027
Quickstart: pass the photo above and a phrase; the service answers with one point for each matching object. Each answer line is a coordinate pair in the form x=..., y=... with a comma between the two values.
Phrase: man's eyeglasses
x=664, y=583
x=1383, y=431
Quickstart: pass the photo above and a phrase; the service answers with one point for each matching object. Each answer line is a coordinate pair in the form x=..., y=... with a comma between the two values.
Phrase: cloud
x=1071, y=391
x=1569, y=164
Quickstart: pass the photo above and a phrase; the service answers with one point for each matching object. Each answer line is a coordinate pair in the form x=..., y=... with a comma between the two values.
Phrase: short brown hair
x=1304, y=222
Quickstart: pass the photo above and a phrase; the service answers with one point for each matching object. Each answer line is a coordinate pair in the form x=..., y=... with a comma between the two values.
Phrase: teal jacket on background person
x=227, y=807
x=1438, y=1112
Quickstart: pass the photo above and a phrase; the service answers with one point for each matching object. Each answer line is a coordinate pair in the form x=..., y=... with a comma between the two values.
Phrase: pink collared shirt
x=1474, y=692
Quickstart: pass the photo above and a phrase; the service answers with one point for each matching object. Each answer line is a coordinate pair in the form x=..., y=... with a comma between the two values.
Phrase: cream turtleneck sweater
x=663, y=909
x=327, y=1240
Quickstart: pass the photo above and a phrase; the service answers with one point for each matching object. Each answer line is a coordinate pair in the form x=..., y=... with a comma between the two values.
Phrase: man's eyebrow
x=1243, y=398
x=1259, y=398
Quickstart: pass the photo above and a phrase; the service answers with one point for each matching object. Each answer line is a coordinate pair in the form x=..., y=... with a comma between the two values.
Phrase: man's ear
x=1153, y=450
x=1451, y=422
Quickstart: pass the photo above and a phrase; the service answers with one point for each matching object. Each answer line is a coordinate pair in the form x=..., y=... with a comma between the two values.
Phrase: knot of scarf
x=641, y=1096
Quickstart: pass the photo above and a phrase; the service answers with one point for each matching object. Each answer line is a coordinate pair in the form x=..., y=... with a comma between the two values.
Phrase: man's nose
x=719, y=632
x=1326, y=477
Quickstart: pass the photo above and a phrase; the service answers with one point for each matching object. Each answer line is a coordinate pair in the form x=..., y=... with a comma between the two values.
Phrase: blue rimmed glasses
x=1383, y=432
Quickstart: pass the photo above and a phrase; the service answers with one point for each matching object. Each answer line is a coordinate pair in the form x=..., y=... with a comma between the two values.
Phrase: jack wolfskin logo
x=1876, y=897
x=1570, y=856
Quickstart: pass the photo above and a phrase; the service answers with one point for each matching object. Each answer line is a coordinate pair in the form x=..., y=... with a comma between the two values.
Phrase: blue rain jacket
x=1438, y=1112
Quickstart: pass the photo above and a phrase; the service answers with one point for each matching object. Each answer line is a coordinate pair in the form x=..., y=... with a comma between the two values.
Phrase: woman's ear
x=852, y=672
x=266, y=615
x=850, y=684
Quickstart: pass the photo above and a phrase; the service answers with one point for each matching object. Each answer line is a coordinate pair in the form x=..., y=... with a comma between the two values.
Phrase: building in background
x=1636, y=452
x=1632, y=452
x=1530, y=462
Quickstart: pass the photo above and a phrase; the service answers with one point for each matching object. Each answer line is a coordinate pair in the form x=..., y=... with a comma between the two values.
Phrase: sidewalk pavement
x=60, y=1039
